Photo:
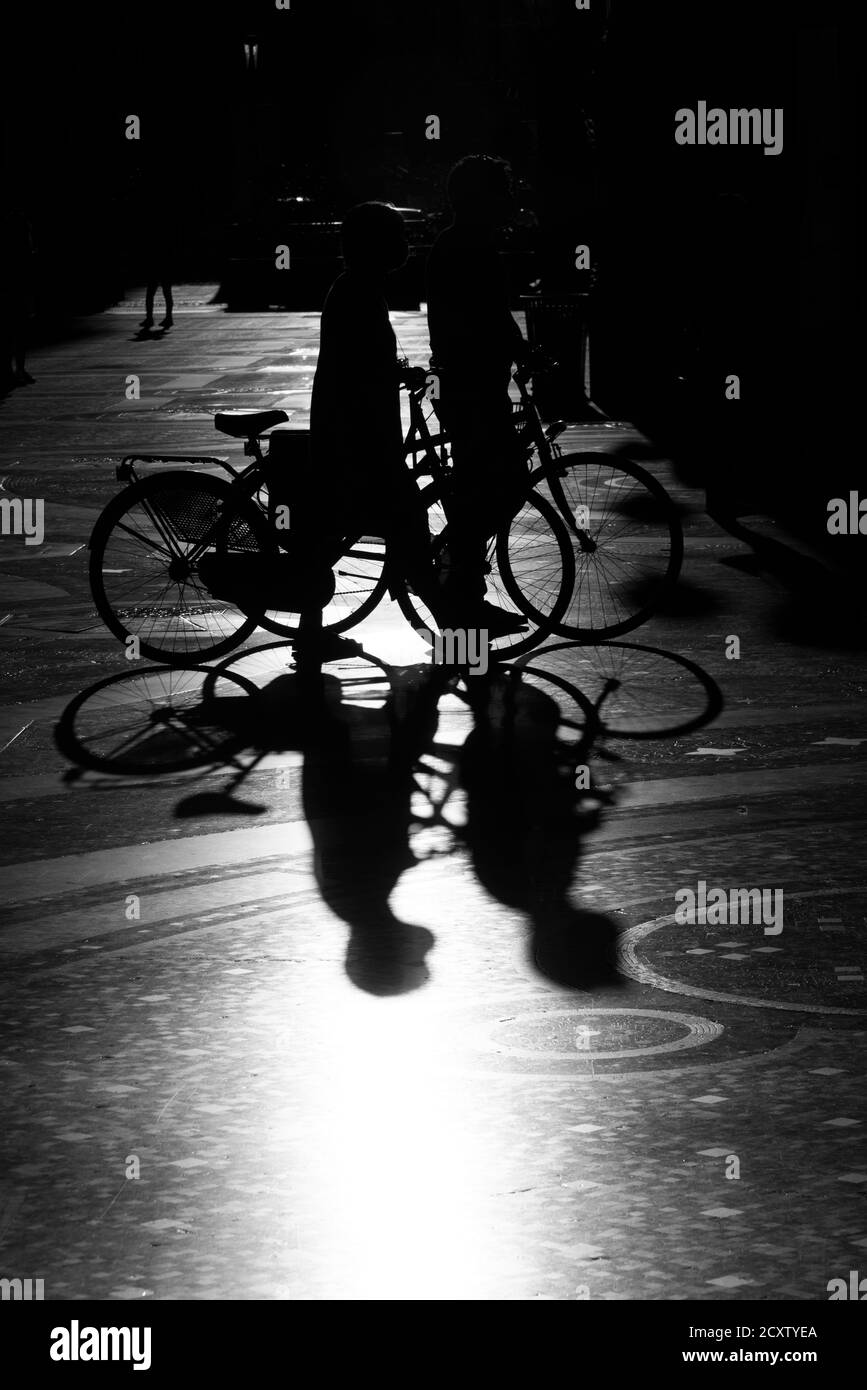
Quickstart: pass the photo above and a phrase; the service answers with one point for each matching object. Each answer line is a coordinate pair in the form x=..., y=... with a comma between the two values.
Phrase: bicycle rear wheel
x=530, y=573
x=627, y=542
x=358, y=578
x=359, y=585
x=145, y=553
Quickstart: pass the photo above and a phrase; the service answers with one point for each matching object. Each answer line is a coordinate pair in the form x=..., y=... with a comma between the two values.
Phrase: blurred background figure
x=159, y=255
x=16, y=296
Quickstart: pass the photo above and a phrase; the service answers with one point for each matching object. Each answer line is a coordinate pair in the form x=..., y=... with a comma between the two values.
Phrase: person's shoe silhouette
x=167, y=322
x=147, y=323
x=499, y=621
x=479, y=613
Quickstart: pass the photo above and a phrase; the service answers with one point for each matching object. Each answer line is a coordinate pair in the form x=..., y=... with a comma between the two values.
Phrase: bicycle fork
x=585, y=540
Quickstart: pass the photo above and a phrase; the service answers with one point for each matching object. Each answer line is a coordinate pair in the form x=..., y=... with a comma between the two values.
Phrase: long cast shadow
x=821, y=609
x=357, y=785
x=526, y=818
x=526, y=823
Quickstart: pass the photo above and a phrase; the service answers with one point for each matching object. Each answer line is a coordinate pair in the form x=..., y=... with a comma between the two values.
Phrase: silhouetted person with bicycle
x=360, y=478
x=474, y=343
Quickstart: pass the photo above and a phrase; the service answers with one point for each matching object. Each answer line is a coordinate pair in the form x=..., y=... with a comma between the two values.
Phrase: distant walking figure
x=474, y=342
x=159, y=255
x=356, y=435
x=16, y=296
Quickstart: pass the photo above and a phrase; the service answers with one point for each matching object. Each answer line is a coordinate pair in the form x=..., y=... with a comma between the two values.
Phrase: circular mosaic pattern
x=817, y=957
x=598, y=1034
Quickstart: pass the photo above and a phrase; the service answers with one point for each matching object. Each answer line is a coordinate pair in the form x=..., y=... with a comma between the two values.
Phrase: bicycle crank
x=180, y=569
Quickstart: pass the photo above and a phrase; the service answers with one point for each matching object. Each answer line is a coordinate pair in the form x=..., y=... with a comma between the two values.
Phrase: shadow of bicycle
x=394, y=765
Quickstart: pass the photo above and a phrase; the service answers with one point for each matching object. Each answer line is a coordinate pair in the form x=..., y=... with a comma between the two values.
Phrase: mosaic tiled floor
x=304, y=1046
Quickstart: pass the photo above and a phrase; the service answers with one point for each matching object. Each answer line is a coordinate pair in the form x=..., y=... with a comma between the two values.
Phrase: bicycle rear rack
x=124, y=470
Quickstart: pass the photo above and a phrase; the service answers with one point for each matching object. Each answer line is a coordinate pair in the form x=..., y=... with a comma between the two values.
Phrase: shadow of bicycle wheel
x=656, y=694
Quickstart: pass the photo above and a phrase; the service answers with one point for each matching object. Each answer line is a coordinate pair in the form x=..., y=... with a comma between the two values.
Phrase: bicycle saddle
x=248, y=424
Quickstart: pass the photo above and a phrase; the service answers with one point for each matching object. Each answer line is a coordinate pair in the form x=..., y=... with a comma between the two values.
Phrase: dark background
x=707, y=260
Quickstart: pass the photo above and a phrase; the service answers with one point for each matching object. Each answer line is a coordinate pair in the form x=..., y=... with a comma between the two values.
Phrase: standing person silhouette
x=474, y=342
x=356, y=435
x=159, y=253
x=16, y=297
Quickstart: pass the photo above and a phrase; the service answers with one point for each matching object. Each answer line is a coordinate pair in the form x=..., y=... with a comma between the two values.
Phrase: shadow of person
x=525, y=821
x=821, y=609
x=357, y=783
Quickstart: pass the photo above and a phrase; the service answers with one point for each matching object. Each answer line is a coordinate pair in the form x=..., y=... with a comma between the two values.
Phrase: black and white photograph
x=433, y=671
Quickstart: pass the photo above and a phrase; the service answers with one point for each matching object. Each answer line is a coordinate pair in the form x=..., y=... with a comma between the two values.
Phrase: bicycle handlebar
x=415, y=379
x=534, y=364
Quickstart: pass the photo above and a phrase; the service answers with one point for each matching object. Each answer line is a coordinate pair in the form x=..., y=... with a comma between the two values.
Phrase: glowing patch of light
x=401, y=1170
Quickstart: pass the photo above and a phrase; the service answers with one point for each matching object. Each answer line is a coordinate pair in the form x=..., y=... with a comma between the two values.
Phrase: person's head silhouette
x=480, y=191
x=373, y=237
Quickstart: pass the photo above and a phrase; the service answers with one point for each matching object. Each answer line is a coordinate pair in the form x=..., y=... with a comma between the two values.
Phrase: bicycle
x=166, y=720
x=626, y=541
x=190, y=564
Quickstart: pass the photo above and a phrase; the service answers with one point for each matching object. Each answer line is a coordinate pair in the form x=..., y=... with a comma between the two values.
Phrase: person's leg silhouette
x=148, y=320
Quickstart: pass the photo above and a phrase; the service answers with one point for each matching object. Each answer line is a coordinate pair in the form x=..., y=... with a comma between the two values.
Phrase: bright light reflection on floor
x=401, y=1172
x=387, y=633
x=398, y=1182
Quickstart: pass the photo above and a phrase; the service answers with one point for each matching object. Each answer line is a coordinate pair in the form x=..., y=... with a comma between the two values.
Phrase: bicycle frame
x=544, y=442
x=541, y=439
x=425, y=450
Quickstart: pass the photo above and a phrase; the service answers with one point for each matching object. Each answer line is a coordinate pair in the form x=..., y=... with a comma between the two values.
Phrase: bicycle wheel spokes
x=416, y=610
x=359, y=584
x=555, y=679
x=535, y=565
x=156, y=721
x=626, y=539
x=145, y=557
x=534, y=572
x=652, y=693
x=530, y=573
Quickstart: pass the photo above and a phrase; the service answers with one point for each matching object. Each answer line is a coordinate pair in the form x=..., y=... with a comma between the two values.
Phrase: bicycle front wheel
x=145, y=554
x=627, y=542
x=529, y=573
